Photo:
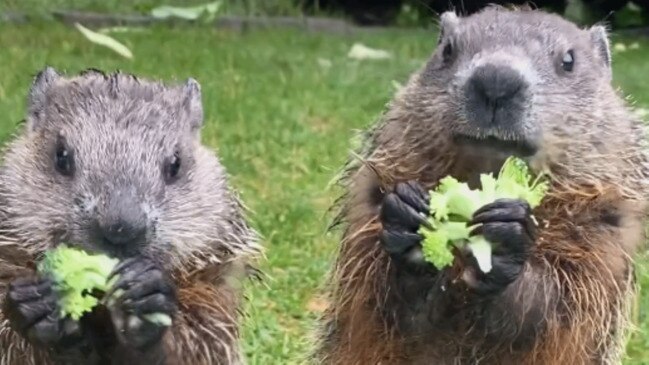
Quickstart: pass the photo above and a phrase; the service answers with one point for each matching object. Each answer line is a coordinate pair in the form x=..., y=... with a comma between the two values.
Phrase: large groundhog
x=501, y=83
x=114, y=164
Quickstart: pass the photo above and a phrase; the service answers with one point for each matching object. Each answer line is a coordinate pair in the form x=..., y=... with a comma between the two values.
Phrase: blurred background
x=619, y=13
x=286, y=85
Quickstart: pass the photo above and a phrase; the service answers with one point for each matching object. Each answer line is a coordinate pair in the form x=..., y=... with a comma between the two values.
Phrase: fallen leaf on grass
x=104, y=40
x=619, y=47
x=121, y=30
x=641, y=112
x=362, y=52
x=324, y=63
x=190, y=13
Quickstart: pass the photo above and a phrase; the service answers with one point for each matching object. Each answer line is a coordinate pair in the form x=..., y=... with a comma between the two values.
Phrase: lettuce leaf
x=452, y=198
x=76, y=274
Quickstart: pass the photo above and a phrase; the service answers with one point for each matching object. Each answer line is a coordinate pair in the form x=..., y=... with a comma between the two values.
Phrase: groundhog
x=113, y=164
x=501, y=82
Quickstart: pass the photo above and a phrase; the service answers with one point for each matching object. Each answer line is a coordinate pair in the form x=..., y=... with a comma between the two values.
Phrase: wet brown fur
x=581, y=265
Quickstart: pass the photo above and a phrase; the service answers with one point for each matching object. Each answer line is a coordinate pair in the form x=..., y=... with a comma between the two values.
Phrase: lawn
x=281, y=109
x=231, y=7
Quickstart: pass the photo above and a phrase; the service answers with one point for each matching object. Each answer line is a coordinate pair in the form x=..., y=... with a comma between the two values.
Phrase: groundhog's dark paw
x=141, y=290
x=503, y=272
x=31, y=306
x=402, y=213
x=508, y=224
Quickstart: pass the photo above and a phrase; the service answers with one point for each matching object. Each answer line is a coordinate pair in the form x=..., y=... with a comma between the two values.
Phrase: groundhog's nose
x=495, y=95
x=123, y=233
x=122, y=222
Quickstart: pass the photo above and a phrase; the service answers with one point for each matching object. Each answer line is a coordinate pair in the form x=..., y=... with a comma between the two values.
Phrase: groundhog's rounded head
x=521, y=82
x=113, y=163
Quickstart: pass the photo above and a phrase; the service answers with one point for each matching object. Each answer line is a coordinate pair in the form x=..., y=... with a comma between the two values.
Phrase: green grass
x=248, y=7
x=281, y=107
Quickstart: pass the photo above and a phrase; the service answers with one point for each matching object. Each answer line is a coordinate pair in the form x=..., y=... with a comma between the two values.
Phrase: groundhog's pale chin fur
x=595, y=151
x=199, y=231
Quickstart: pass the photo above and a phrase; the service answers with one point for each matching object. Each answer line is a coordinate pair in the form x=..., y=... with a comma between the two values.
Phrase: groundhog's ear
x=599, y=38
x=192, y=103
x=37, y=98
x=448, y=21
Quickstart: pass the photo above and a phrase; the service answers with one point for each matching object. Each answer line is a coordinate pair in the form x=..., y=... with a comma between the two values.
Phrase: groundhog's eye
x=63, y=160
x=173, y=168
x=568, y=61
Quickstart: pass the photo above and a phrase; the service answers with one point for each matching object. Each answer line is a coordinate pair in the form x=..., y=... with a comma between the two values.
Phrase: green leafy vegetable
x=453, y=204
x=76, y=274
x=160, y=319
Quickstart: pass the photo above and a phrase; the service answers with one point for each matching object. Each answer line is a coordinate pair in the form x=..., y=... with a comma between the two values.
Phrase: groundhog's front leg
x=425, y=291
x=402, y=213
x=31, y=307
x=508, y=224
x=142, y=288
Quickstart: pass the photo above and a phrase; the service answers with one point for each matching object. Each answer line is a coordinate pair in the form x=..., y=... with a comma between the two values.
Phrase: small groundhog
x=114, y=164
x=502, y=82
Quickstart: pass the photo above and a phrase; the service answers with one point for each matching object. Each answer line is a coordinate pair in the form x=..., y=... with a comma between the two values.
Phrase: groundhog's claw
x=509, y=225
x=32, y=310
x=403, y=211
x=141, y=289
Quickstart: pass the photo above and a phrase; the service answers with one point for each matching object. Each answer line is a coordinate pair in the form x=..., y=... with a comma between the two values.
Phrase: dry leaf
x=190, y=13
x=104, y=40
x=619, y=47
x=641, y=112
x=362, y=52
x=121, y=30
x=324, y=63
